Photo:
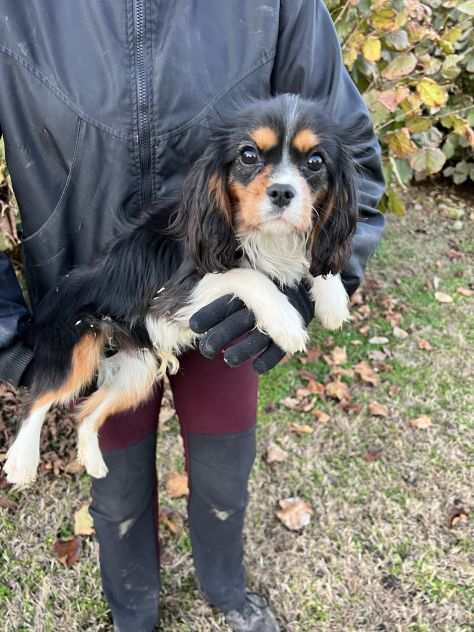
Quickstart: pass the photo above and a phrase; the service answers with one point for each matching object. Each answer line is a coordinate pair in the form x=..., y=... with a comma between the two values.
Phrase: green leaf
x=395, y=203
x=428, y=161
x=467, y=7
x=397, y=40
x=400, y=66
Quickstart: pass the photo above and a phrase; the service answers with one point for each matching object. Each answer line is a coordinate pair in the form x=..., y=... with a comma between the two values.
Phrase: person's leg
x=216, y=406
x=125, y=512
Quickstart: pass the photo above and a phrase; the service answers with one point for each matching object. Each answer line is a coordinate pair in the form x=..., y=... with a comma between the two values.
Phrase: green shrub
x=414, y=63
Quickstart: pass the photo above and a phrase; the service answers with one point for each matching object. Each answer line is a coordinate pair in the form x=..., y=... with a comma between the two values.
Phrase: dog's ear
x=204, y=218
x=332, y=234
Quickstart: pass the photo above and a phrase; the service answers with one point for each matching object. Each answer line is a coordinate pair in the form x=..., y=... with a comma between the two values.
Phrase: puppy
x=271, y=201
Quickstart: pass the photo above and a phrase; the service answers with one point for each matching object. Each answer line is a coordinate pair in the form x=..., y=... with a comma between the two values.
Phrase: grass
x=380, y=554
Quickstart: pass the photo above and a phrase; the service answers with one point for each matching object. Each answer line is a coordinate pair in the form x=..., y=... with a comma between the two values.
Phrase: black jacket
x=104, y=105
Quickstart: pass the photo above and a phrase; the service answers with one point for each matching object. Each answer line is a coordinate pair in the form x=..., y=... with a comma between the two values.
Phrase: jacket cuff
x=13, y=362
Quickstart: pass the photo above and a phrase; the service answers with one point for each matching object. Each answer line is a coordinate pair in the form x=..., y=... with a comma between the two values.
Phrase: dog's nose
x=281, y=194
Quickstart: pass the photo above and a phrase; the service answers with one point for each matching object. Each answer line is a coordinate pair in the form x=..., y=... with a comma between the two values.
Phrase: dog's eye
x=249, y=155
x=315, y=161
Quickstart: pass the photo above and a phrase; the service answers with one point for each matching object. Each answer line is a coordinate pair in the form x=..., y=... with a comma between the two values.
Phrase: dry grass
x=379, y=554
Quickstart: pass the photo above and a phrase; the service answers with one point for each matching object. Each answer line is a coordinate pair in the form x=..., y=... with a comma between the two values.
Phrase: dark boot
x=254, y=616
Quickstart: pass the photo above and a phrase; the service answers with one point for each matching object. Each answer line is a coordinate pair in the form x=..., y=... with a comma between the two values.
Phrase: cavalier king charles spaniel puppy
x=271, y=201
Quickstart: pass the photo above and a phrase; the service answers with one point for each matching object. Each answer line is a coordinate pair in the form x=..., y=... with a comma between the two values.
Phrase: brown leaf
x=338, y=390
x=291, y=402
x=373, y=455
x=321, y=416
x=74, y=467
x=172, y=520
x=378, y=410
x=68, y=551
x=7, y=503
x=294, y=513
x=465, y=291
x=351, y=408
x=421, y=422
x=312, y=355
x=366, y=373
x=337, y=356
x=457, y=516
x=300, y=428
x=442, y=297
x=424, y=345
x=275, y=454
x=177, y=485
x=83, y=524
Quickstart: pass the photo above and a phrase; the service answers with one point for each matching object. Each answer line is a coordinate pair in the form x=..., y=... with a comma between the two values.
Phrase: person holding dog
x=103, y=108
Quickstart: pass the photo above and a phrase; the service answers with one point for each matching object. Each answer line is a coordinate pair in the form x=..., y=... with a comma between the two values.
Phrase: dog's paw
x=168, y=363
x=285, y=327
x=90, y=456
x=21, y=465
x=331, y=301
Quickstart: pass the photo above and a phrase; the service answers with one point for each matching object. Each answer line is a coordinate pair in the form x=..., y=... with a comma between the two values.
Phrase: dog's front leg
x=331, y=300
x=273, y=312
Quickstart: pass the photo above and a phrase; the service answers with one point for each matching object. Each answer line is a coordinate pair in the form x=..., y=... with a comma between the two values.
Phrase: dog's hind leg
x=126, y=381
x=23, y=457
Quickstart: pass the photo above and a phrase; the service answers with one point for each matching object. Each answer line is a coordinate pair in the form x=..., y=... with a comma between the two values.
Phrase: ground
x=389, y=546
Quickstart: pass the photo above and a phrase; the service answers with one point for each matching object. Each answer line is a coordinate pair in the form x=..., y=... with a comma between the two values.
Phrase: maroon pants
x=216, y=406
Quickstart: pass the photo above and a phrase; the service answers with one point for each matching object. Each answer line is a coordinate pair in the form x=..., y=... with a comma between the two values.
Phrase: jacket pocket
x=61, y=202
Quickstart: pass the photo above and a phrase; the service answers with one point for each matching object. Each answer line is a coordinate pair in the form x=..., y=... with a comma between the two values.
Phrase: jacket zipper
x=143, y=115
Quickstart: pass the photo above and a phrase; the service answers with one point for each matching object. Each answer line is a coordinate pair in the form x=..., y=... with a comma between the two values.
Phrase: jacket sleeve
x=14, y=354
x=309, y=62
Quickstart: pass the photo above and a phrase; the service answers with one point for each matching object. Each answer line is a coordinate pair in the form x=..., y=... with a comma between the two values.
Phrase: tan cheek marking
x=85, y=361
x=249, y=199
x=218, y=192
x=265, y=138
x=305, y=140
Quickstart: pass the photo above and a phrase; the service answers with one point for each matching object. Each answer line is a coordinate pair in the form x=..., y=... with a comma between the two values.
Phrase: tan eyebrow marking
x=265, y=138
x=305, y=140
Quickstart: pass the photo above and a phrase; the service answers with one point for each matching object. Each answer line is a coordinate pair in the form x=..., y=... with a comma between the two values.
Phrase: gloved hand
x=227, y=318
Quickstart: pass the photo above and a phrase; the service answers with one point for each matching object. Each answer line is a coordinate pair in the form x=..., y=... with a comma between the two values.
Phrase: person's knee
x=219, y=470
x=129, y=487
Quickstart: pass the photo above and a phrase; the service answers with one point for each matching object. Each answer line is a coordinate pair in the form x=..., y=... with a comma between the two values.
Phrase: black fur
x=112, y=296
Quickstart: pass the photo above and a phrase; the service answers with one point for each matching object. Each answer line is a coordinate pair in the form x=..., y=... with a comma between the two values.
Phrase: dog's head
x=280, y=171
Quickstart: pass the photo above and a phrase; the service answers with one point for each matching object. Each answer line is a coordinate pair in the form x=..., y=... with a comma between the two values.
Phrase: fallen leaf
x=83, y=524
x=400, y=333
x=377, y=356
x=7, y=503
x=424, y=345
x=294, y=513
x=421, y=422
x=366, y=373
x=351, y=408
x=378, y=340
x=171, y=519
x=337, y=356
x=457, y=516
x=394, y=390
x=177, y=485
x=302, y=392
x=373, y=455
x=74, y=467
x=300, y=428
x=465, y=291
x=441, y=297
x=291, y=402
x=68, y=551
x=275, y=454
x=378, y=410
x=338, y=390
x=321, y=416
x=312, y=355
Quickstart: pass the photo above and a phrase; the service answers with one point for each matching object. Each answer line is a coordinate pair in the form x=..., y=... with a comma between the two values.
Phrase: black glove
x=227, y=318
